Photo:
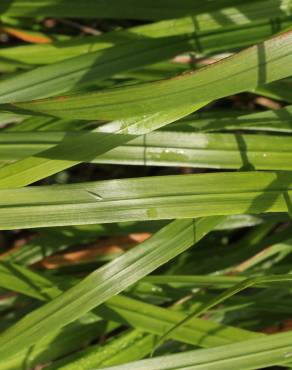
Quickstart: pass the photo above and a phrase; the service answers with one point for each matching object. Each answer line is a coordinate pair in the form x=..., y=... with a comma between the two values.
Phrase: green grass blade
x=58, y=344
x=250, y=21
x=246, y=283
x=51, y=241
x=131, y=346
x=88, y=68
x=164, y=148
x=154, y=198
x=279, y=90
x=279, y=120
x=29, y=282
x=128, y=311
x=246, y=70
x=105, y=282
x=51, y=161
x=145, y=10
x=250, y=354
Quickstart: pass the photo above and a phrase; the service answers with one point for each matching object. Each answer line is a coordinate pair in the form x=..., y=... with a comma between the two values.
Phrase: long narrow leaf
x=167, y=149
x=250, y=18
x=58, y=158
x=250, y=354
x=158, y=9
x=255, y=66
x=160, y=197
x=105, y=282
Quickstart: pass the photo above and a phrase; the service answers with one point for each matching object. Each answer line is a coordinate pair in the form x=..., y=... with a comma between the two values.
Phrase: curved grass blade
x=246, y=70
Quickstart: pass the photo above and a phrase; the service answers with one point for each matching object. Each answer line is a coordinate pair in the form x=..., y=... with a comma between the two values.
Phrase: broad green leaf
x=246, y=70
x=154, y=198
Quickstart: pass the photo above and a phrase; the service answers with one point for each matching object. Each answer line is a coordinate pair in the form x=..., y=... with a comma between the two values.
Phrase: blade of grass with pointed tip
x=144, y=316
x=121, y=309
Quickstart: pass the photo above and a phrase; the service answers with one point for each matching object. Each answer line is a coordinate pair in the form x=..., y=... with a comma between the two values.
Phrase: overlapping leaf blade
x=105, y=282
x=253, y=67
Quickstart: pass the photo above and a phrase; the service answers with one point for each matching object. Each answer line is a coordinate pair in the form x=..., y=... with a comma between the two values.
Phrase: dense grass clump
x=145, y=184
